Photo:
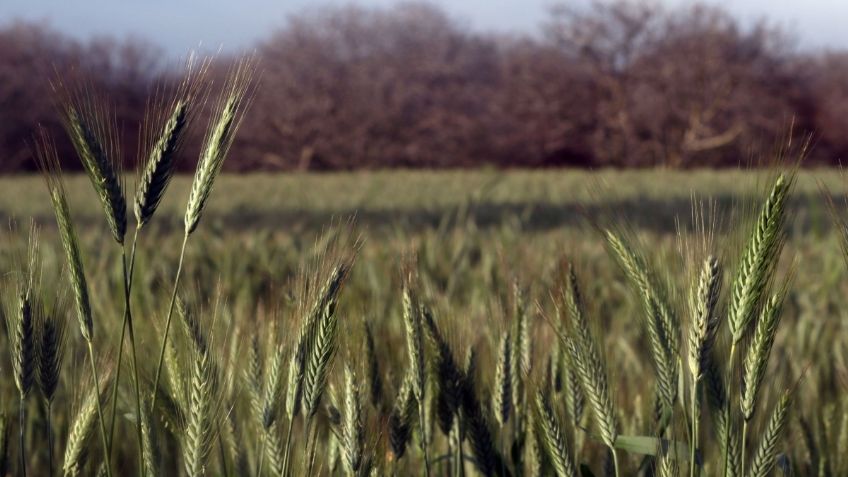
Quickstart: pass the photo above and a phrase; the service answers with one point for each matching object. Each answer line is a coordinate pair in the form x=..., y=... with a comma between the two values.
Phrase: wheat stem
x=168, y=323
x=726, y=410
x=222, y=451
x=22, y=434
x=261, y=455
x=288, y=447
x=106, y=452
x=49, y=438
x=695, y=422
x=311, y=438
x=460, y=464
x=127, y=290
x=744, y=438
x=423, y=437
x=614, y=461
x=128, y=326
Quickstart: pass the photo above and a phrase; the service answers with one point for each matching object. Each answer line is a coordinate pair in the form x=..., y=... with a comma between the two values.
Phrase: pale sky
x=180, y=25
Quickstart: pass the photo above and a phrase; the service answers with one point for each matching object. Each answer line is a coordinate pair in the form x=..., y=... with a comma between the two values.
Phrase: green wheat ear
x=659, y=318
x=759, y=259
x=353, y=431
x=588, y=363
x=501, y=394
x=23, y=317
x=83, y=426
x=164, y=129
x=48, y=161
x=227, y=117
x=705, y=319
x=554, y=438
x=157, y=174
x=92, y=128
x=765, y=456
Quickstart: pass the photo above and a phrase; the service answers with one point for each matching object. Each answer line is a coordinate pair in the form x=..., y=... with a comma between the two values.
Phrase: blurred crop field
x=415, y=200
x=475, y=234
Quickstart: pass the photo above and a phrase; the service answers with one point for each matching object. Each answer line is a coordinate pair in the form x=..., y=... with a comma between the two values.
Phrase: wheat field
x=412, y=323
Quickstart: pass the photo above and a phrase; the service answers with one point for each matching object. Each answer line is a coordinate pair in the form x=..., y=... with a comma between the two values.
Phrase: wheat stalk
x=160, y=146
x=229, y=112
x=49, y=162
x=149, y=441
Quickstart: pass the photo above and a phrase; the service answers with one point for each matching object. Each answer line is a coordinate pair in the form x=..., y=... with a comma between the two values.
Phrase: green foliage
x=267, y=331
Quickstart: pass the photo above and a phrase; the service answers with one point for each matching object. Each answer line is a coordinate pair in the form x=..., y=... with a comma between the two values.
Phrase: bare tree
x=679, y=87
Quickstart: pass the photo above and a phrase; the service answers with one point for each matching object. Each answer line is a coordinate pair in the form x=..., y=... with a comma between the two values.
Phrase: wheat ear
x=91, y=127
x=520, y=351
x=660, y=320
x=375, y=381
x=353, y=429
x=705, y=321
x=764, y=458
x=415, y=352
x=554, y=438
x=501, y=397
x=198, y=433
x=447, y=373
x=48, y=160
x=82, y=428
x=21, y=327
x=227, y=117
x=588, y=362
x=759, y=259
x=51, y=339
x=401, y=418
x=756, y=360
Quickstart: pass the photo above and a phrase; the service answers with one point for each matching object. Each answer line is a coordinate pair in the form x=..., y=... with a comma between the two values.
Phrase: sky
x=181, y=25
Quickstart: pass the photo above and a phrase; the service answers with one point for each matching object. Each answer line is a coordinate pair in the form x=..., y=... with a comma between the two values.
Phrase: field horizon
x=543, y=199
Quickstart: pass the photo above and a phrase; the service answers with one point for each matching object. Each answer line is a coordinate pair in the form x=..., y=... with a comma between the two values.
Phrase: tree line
x=612, y=84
